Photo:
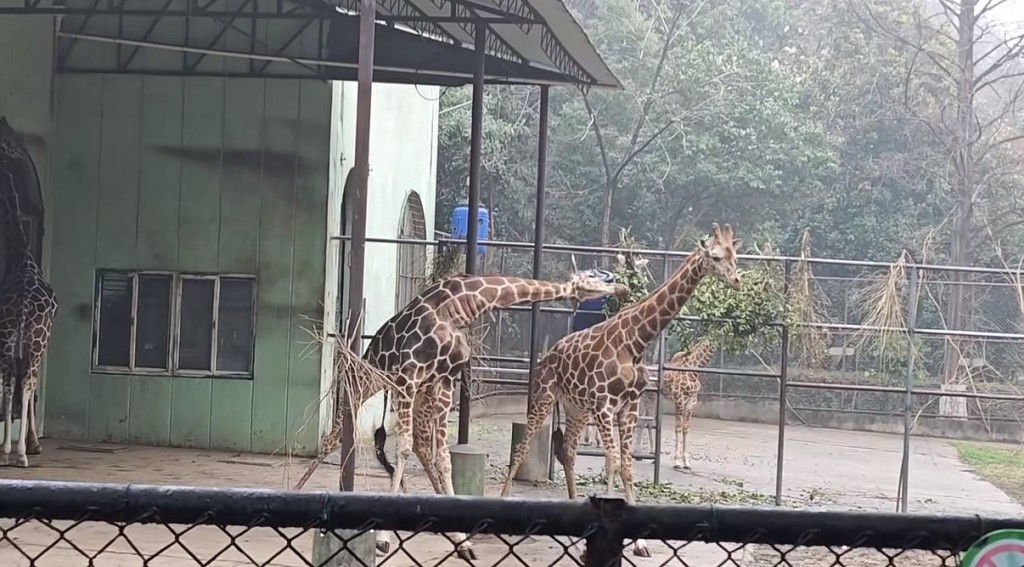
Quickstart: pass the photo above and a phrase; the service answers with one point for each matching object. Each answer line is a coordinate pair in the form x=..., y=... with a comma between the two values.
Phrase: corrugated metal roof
x=547, y=38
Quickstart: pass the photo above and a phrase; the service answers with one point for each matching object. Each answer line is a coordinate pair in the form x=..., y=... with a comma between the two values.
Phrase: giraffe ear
x=736, y=243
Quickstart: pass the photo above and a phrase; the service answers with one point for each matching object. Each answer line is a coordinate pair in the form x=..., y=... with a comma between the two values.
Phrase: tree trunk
x=962, y=154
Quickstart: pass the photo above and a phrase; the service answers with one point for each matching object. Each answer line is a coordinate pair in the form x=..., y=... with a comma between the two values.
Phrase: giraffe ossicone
x=424, y=350
x=599, y=373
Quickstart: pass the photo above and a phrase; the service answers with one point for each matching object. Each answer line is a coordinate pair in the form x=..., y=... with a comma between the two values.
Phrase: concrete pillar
x=469, y=468
x=535, y=467
x=356, y=549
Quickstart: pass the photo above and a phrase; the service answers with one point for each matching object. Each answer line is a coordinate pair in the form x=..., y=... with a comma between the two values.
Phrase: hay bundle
x=883, y=305
x=353, y=378
x=809, y=338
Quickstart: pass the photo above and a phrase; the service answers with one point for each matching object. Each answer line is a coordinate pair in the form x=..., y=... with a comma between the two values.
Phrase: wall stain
x=272, y=163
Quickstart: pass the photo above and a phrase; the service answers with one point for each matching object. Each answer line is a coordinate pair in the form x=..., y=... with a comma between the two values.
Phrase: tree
x=963, y=85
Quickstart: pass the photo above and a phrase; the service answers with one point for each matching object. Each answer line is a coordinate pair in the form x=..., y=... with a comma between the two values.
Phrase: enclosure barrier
x=907, y=368
x=61, y=523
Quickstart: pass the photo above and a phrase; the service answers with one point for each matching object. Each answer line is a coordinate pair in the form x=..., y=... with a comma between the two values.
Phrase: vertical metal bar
x=780, y=451
x=367, y=11
x=476, y=137
x=658, y=429
x=908, y=400
x=538, y=233
x=605, y=545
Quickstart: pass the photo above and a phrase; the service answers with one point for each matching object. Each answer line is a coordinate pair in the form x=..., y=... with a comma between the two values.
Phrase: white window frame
x=174, y=325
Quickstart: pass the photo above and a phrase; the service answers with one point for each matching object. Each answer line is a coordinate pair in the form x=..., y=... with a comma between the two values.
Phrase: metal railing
x=915, y=389
x=62, y=524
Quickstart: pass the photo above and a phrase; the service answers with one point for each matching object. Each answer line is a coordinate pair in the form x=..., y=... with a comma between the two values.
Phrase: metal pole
x=908, y=399
x=658, y=429
x=783, y=379
x=538, y=233
x=361, y=169
x=476, y=138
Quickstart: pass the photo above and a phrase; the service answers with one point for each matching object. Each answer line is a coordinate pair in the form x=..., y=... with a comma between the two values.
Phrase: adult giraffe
x=28, y=304
x=599, y=372
x=425, y=349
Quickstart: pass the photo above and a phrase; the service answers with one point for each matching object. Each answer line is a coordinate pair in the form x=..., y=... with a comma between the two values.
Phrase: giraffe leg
x=574, y=427
x=543, y=403
x=443, y=461
x=7, y=377
x=403, y=404
x=627, y=426
x=684, y=412
x=424, y=430
x=687, y=418
x=606, y=430
x=26, y=404
x=34, y=448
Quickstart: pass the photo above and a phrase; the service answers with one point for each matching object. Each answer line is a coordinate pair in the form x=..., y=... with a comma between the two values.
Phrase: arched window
x=412, y=257
x=345, y=250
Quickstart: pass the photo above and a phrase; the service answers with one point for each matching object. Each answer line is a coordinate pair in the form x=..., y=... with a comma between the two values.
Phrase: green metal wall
x=200, y=174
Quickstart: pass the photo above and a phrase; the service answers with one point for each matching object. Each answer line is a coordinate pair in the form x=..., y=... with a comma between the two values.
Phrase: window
x=177, y=324
x=412, y=256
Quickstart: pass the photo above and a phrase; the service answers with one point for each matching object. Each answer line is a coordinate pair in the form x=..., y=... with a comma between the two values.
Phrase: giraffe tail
x=380, y=438
x=557, y=437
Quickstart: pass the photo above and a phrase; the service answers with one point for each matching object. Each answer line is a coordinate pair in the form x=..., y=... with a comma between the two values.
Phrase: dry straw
x=810, y=339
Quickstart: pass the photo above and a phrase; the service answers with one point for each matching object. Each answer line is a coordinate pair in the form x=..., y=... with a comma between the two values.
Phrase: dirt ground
x=823, y=469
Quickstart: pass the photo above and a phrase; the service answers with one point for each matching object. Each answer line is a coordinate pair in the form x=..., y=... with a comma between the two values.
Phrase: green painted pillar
x=469, y=469
x=535, y=467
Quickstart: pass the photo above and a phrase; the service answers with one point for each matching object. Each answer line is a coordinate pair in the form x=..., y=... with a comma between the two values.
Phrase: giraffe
x=599, y=372
x=683, y=388
x=27, y=308
x=27, y=302
x=424, y=348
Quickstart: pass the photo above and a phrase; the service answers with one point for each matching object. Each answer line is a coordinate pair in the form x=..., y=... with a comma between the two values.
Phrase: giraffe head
x=592, y=284
x=718, y=255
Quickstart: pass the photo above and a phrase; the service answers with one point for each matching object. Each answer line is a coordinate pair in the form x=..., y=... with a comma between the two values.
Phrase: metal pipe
x=538, y=234
x=908, y=399
x=780, y=450
x=658, y=426
x=609, y=251
x=358, y=257
x=329, y=510
x=476, y=138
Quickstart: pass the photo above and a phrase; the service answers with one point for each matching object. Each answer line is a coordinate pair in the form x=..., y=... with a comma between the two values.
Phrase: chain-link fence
x=64, y=524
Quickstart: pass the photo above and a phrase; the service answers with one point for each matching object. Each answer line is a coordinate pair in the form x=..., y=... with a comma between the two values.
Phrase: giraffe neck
x=644, y=320
x=482, y=295
x=699, y=354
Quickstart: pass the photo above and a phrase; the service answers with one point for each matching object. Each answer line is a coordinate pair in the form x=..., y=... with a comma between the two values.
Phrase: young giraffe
x=599, y=372
x=27, y=302
x=425, y=348
x=683, y=388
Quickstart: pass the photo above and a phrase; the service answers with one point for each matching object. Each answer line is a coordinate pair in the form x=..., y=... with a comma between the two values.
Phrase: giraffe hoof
x=23, y=461
x=34, y=450
x=466, y=553
x=4, y=460
x=641, y=551
x=684, y=468
x=383, y=546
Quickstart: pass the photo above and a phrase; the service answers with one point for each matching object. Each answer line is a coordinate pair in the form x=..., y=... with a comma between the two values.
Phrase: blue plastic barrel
x=591, y=311
x=459, y=226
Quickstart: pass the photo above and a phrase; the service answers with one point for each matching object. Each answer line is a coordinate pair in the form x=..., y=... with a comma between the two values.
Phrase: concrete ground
x=823, y=468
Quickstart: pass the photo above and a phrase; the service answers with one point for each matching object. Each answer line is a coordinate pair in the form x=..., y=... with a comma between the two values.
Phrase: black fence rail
x=72, y=524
